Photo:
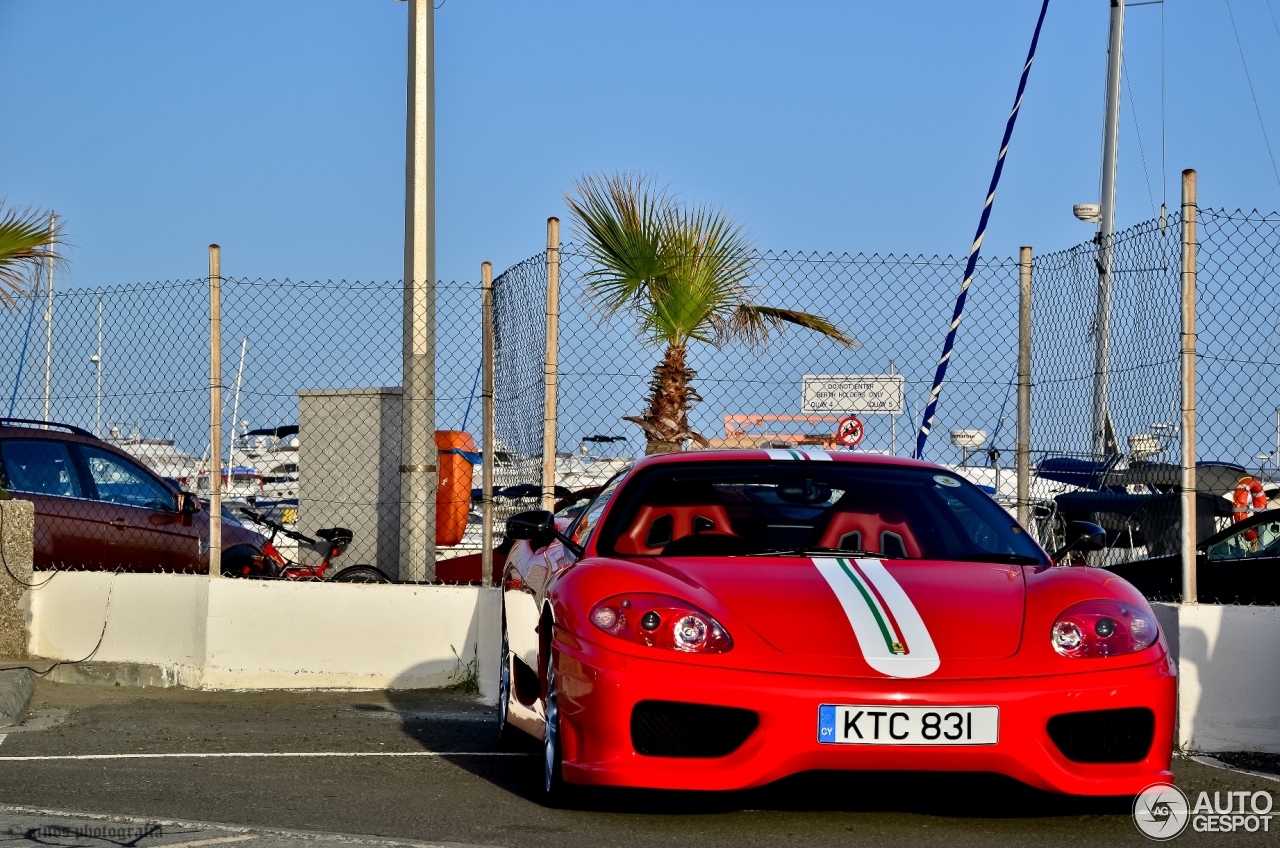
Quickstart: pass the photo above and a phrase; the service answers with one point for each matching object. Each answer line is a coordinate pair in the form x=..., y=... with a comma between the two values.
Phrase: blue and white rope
x=926, y=421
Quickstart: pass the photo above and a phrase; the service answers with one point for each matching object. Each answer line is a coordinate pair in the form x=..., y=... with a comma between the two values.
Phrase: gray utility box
x=349, y=470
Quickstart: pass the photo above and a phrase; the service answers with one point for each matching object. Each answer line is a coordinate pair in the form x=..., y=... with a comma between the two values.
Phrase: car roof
x=781, y=454
x=10, y=429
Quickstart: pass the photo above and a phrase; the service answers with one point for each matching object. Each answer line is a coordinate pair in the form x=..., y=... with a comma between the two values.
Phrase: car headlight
x=661, y=621
x=1103, y=628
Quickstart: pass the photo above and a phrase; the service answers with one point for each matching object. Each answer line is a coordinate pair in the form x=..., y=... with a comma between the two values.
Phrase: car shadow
x=455, y=721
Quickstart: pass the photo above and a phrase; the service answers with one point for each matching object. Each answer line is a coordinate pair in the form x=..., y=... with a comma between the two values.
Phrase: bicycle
x=271, y=564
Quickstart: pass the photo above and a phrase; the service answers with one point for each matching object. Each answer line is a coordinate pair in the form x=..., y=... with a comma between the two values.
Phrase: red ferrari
x=723, y=619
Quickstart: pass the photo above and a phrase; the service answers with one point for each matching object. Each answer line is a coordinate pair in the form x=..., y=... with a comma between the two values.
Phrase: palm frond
x=27, y=242
x=751, y=324
x=709, y=263
x=618, y=220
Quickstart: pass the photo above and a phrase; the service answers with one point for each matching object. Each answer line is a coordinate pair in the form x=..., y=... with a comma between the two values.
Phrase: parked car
x=98, y=508
x=723, y=619
x=1238, y=565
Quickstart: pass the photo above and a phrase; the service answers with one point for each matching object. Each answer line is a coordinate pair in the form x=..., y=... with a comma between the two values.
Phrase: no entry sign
x=849, y=432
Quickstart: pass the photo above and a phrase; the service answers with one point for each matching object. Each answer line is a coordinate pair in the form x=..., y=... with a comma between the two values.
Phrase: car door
x=1244, y=566
x=149, y=534
x=68, y=532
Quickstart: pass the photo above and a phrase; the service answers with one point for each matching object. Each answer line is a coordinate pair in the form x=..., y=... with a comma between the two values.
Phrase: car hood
x=892, y=613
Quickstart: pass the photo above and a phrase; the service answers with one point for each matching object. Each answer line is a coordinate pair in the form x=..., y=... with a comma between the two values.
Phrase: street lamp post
x=96, y=359
x=419, y=478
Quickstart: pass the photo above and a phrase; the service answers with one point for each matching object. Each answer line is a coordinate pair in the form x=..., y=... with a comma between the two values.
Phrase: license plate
x=880, y=724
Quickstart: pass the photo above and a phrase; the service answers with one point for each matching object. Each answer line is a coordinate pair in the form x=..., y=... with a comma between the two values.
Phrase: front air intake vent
x=1104, y=736
x=672, y=729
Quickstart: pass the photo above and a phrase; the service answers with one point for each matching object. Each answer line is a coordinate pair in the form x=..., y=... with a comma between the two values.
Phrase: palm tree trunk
x=666, y=420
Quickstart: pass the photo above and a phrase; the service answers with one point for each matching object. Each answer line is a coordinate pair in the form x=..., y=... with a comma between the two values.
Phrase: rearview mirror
x=539, y=527
x=1082, y=536
x=188, y=503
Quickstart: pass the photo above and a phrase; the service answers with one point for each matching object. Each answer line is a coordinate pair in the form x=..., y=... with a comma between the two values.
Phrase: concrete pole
x=1023, y=460
x=552, y=365
x=419, y=474
x=215, y=410
x=1106, y=234
x=1188, y=365
x=48, y=321
x=486, y=401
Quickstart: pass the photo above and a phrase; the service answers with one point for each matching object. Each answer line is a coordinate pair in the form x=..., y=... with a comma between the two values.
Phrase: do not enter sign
x=849, y=433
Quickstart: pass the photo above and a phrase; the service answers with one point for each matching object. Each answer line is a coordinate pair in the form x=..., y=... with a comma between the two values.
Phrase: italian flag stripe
x=888, y=627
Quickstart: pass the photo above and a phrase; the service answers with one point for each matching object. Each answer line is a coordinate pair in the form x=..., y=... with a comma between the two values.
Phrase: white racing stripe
x=800, y=455
x=221, y=755
x=891, y=635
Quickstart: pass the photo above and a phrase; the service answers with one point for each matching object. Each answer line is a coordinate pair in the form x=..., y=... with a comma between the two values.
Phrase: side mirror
x=1082, y=536
x=536, y=525
x=188, y=503
x=539, y=527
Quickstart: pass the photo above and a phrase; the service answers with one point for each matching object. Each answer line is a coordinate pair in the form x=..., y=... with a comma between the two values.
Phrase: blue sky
x=277, y=128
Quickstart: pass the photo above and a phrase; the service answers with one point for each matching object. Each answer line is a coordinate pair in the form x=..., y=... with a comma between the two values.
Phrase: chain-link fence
x=311, y=398
x=1122, y=474
x=311, y=376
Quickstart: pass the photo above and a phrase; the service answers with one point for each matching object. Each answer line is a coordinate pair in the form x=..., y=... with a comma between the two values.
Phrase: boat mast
x=235, y=405
x=1106, y=231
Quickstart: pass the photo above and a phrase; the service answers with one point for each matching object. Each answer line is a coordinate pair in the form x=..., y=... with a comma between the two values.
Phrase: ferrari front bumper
x=599, y=689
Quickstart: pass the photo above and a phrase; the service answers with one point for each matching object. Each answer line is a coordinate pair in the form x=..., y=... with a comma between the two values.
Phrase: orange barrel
x=453, y=499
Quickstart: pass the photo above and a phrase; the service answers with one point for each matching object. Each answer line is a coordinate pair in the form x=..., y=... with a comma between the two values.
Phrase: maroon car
x=98, y=508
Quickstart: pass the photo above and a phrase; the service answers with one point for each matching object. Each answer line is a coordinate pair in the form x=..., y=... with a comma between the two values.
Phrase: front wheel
x=360, y=574
x=556, y=792
x=505, y=730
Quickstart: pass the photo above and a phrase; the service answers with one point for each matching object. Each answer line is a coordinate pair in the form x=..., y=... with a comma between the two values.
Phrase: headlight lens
x=661, y=621
x=1104, y=628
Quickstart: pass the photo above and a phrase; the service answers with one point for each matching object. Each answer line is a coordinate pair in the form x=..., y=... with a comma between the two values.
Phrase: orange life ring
x=1249, y=498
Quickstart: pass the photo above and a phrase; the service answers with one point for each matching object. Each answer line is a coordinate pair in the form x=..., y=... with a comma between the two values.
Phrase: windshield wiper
x=1012, y=559
x=812, y=550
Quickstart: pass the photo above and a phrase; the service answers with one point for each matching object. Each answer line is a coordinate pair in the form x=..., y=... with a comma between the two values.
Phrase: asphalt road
x=428, y=770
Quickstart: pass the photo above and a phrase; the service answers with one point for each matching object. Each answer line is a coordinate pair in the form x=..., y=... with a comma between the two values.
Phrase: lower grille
x=672, y=729
x=1104, y=736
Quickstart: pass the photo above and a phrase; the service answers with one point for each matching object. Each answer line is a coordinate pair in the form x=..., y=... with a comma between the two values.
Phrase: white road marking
x=1213, y=762
x=219, y=755
x=3, y=736
x=219, y=841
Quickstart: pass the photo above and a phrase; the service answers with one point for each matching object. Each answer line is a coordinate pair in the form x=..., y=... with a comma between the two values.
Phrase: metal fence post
x=1024, y=387
x=487, y=439
x=215, y=410
x=1188, y=368
x=552, y=359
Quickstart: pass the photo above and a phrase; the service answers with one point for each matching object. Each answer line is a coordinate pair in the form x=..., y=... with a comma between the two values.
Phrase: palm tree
x=28, y=239
x=682, y=272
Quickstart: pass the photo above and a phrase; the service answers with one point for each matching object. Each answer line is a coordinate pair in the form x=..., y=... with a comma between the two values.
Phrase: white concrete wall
x=252, y=634
x=1229, y=676
x=152, y=619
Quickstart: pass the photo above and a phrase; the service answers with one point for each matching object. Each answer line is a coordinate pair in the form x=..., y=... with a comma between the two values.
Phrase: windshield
x=800, y=509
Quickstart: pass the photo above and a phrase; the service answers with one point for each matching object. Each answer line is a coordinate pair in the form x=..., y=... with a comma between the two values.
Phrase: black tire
x=242, y=561
x=360, y=574
x=555, y=791
x=505, y=730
